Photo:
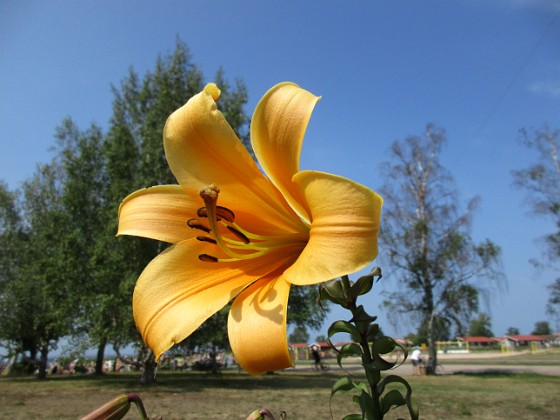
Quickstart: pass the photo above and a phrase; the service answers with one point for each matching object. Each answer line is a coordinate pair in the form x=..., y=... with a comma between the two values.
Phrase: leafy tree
x=542, y=328
x=82, y=161
x=427, y=240
x=13, y=239
x=512, y=331
x=541, y=181
x=140, y=110
x=299, y=335
x=40, y=303
x=553, y=304
x=481, y=326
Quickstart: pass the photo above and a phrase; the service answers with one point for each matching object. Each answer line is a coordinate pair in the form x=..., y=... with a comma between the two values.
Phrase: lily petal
x=344, y=228
x=257, y=326
x=159, y=213
x=277, y=130
x=177, y=292
x=203, y=149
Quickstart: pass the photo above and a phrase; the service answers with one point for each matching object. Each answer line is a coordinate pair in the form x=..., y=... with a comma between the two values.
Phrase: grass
x=302, y=394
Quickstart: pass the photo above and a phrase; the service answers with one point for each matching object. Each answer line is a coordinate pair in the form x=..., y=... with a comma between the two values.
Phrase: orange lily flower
x=240, y=235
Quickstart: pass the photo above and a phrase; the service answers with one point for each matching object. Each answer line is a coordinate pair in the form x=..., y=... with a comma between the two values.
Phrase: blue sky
x=481, y=69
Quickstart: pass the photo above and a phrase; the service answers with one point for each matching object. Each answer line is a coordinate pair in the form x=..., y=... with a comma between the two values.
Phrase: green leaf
x=392, y=398
x=348, y=350
x=343, y=384
x=353, y=417
x=333, y=291
x=366, y=404
x=360, y=315
x=342, y=327
x=382, y=364
x=384, y=345
x=413, y=411
x=362, y=286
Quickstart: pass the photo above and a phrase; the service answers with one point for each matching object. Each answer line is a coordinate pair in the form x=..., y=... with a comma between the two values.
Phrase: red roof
x=530, y=337
x=479, y=339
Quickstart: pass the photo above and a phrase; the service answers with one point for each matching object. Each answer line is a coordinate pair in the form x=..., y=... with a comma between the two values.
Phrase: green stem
x=366, y=361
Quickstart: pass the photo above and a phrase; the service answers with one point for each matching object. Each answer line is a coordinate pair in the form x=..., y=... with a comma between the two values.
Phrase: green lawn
x=302, y=394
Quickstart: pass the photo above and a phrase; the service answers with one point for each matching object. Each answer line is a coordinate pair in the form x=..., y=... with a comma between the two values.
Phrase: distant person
x=316, y=356
x=416, y=358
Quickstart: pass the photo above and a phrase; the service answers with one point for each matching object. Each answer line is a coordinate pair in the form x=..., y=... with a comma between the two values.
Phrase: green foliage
x=512, y=331
x=481, y=326
x=37, y=304
x=541, y=182
x=542, y=328
x=553, y=304
x=299, y=335
x=373, y=398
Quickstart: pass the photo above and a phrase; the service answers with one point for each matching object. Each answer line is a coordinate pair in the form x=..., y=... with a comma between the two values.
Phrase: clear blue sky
x=481, y=69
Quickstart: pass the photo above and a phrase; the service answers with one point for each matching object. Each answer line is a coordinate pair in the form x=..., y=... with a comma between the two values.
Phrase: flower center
x=236, y=242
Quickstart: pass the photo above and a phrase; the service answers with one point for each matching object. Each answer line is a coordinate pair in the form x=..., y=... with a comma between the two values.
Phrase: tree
x=541, y=181
x=140, y=110
x=81, y=159
x=481, y=326
x=512, y=331
x=299, y=335
x=39, y=303
x=542, y=328
x=553, y=304
x=427, y=240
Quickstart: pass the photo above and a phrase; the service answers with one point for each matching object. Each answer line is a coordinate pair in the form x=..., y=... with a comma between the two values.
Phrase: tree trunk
x=43, y=361
x=100, y=356
x=432, y=350
x=149, y=372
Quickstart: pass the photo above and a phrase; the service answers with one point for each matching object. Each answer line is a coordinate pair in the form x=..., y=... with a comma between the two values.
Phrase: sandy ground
x=455, y=363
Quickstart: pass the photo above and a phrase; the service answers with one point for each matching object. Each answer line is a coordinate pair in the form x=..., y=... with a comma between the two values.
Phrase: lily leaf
x=392, y=398
x=362, y=286
x=360, y=315
x=384, y=345
x=348, y=350
x=342, y=327
x=343, y=384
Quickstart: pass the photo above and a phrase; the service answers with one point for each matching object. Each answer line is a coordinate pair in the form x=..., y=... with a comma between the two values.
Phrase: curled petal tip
x=213, y=90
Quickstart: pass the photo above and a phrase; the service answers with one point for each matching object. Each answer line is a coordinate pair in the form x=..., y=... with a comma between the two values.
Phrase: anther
x=207, y=258
x=221, y=213
x=202, y=238
x=195, y=224
x=238, y=234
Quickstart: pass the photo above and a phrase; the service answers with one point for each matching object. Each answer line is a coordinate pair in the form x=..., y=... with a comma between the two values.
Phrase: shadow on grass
x=192, y=381
x=500, y=373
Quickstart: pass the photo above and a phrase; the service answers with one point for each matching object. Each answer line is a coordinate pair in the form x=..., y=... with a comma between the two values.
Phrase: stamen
x=221, y=213
x=238, y=234
x=206, y=239
x=195, y=224
x=238, y=244
x=207, y=258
